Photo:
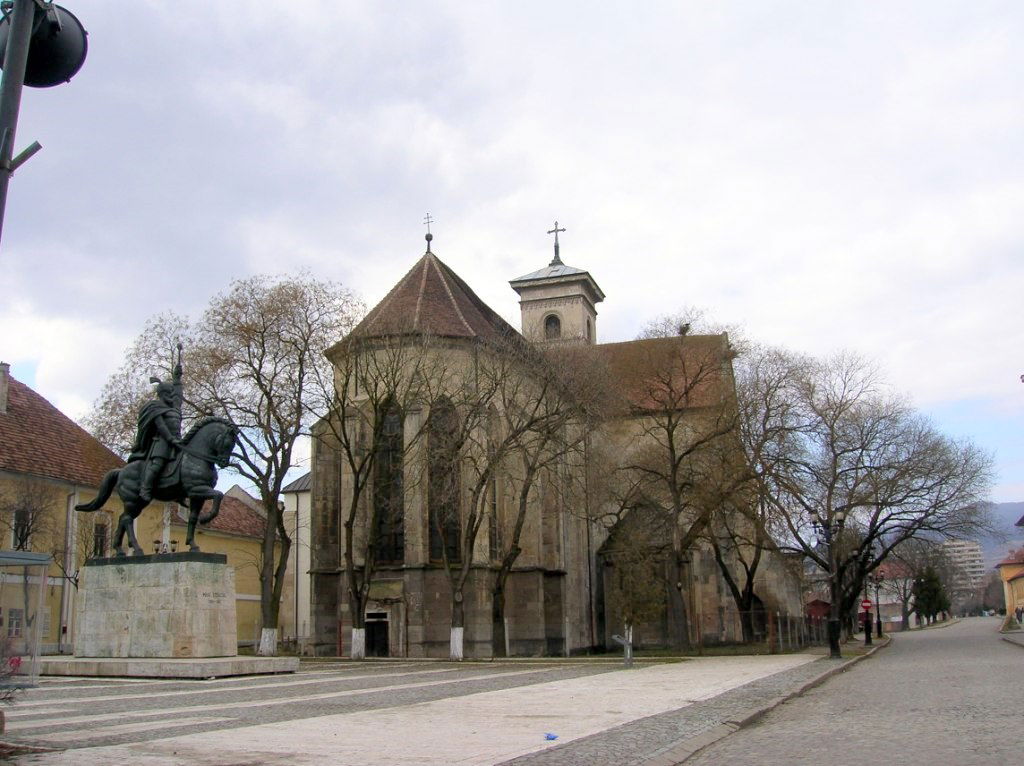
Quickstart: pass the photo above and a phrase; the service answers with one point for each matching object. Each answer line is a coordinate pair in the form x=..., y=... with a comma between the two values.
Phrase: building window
x=552, y=327
x=100, y=531
x=22, y=530
x=590, y=330
x=388, y=505
x=443, y=485
x=494, y=541
x=14, y=618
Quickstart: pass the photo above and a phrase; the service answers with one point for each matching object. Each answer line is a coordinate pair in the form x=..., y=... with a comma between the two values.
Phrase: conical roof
x=431, y=299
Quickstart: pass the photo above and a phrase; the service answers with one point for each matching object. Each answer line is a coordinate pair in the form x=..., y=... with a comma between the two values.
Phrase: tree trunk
x=357, y=650
x=500, y=639
x=268, y=642
x=458, y=621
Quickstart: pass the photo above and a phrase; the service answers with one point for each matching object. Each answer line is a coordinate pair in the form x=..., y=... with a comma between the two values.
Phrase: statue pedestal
x=165, y=606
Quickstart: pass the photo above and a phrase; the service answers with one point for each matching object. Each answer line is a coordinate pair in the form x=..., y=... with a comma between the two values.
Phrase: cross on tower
x=427, y=220
x=557, y=260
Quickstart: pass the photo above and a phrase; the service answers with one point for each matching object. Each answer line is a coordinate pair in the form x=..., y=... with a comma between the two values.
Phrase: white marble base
x=162, y=606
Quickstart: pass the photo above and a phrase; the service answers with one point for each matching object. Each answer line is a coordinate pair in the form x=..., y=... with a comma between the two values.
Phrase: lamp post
x=876, y=580
x=832, y=529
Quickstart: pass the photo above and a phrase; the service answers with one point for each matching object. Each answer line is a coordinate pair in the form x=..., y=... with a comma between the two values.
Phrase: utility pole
x=15, y=59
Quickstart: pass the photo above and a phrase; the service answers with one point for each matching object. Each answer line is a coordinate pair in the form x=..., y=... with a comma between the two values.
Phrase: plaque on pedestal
x=164, y=606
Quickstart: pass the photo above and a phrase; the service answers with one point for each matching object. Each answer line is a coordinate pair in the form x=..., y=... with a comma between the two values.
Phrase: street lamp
x=832, y=529
x=876, y=579
x=869, y=555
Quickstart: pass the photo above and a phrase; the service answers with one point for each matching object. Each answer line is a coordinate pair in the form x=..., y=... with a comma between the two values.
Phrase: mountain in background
x=996, y=547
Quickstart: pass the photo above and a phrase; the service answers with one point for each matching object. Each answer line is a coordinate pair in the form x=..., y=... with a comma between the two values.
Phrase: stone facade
x=556, y=595
x=165, y=606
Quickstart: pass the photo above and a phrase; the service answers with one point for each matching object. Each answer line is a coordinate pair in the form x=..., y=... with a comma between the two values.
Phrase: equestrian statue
x=164, y=465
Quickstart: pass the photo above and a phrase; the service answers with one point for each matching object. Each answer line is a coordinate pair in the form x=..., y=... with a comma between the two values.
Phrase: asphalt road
x=951, y=696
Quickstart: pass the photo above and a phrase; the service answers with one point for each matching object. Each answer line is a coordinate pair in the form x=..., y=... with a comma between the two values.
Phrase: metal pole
x=833, y=611
x=15, y=59
x=878, y=610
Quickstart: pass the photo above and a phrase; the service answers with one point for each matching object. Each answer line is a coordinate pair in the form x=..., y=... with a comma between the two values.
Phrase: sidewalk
x=671, y=738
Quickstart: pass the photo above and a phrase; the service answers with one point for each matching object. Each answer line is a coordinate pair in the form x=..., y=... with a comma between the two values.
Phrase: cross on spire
x=557, y=261
x=427, y=220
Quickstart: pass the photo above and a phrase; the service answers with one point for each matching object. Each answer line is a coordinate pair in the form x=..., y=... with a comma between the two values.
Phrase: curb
x=1013, y=640
x=683, y=750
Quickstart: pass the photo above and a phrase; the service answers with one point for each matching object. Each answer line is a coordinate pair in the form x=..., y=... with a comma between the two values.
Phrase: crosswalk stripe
x=219, y=690
x=77, y=736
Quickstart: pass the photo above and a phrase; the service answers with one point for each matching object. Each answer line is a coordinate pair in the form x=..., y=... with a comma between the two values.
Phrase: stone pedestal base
x=174, y=605
x=213, y=667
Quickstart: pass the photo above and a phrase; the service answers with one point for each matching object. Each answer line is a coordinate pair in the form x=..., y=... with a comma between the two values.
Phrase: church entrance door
x=377, y=634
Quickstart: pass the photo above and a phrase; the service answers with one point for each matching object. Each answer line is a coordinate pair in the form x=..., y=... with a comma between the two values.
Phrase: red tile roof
x=431, y=299
x=1015, y=557
x=656, y=373
x=235, y=518
x=38, y=439
x=894, y=569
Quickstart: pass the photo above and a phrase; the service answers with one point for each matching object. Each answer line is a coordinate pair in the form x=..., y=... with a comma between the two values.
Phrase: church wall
x=325, y=581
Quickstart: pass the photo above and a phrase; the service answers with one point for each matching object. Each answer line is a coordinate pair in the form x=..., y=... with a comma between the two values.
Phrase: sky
x=826, y=175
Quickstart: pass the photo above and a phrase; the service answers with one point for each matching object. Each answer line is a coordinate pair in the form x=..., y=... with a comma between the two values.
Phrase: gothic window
x=494, y=541
x=590, y=329
x=552, y=327
x=388, y=506
x=443, y=485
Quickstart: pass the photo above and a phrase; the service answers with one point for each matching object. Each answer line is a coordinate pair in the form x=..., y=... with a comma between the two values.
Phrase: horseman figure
x=158, y=437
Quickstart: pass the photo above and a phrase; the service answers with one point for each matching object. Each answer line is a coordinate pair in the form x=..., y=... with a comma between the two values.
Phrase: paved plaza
x=383, y=713
x=949, y=692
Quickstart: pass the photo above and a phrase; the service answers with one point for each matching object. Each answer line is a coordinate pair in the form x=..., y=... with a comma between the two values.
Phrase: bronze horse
x=191, y=481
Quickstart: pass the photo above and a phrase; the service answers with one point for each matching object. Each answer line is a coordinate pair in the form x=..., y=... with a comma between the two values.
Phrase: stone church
x=432, y=518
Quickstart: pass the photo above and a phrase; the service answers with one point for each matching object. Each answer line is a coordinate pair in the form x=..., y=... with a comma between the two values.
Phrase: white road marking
x=220, y=690
x=77, y=737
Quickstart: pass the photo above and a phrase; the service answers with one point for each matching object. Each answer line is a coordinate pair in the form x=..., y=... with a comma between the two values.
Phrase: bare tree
x=28, y=514
x=256, y=356
x=377, y=384
x=683, y=414
x=856, y=466
x=477, y=421
x=551, y=411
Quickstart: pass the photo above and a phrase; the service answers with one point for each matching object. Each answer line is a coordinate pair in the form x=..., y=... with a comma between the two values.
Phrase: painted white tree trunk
x=456, y=644
x=268, y=643
x=358, y=649
x=508, y=641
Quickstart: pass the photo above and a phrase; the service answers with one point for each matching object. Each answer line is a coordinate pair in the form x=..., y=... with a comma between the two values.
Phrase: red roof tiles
x=431, y=299
x=668, y=373
x=235, y=518
x=38, y=439
x=1015, y=557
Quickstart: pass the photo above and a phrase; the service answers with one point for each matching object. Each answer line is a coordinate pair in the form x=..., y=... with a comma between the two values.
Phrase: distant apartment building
x=966, y=555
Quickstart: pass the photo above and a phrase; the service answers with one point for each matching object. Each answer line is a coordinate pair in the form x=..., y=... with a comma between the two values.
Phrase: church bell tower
x=558, y=302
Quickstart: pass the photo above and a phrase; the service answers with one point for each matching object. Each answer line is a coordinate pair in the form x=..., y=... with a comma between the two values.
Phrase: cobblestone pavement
x=949, y=695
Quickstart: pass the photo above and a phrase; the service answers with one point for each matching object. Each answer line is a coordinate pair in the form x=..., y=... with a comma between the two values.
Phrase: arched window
x=443, y=485
x=552, y=327
x=590, y=330
x=495, y=543
x=388, y=505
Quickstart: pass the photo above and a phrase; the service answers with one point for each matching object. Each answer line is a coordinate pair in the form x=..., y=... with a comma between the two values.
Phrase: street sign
x=865, y=604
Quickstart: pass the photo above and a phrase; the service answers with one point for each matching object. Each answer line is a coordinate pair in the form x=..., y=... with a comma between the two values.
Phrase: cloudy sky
x=828, y=175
